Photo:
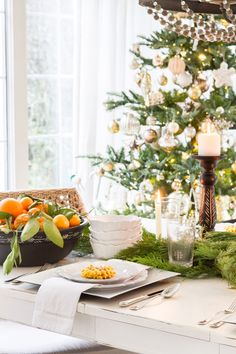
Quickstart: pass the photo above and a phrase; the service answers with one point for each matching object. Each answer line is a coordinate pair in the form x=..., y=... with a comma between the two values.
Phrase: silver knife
x=134, y=300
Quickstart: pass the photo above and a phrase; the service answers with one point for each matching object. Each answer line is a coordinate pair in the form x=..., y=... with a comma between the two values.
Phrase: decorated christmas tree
x=184, y=88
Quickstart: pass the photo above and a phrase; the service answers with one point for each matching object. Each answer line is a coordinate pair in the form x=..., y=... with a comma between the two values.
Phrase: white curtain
x=106, y=31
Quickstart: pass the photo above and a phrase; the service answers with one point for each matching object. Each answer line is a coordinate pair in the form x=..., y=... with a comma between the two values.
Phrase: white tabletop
x=168, y=328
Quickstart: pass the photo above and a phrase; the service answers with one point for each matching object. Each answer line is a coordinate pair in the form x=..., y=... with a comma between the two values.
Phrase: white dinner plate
x=124, y=272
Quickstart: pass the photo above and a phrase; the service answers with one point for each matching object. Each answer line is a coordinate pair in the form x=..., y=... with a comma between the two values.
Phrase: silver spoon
x=166, y=294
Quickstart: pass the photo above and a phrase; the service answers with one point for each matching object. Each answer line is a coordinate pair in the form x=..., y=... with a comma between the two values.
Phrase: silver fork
x=230, y=309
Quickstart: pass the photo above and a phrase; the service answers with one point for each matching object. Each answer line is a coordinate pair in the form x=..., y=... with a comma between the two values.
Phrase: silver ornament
x=151, y=120
x=173, y=127
x=190, y=132
x=129, y=124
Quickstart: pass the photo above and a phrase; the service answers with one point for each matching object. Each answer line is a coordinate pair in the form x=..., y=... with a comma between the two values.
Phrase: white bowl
x=114, y=222
x=106, y=251
x=117, y=242
x=116, y=235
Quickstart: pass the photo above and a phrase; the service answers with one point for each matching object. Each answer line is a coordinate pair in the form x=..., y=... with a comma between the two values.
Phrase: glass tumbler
x=180, y=243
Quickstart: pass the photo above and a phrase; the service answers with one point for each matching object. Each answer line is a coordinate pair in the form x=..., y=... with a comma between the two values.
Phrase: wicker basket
x=39, y=250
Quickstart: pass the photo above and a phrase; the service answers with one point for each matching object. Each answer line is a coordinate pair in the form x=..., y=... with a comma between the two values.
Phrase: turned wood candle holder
x=207, y=215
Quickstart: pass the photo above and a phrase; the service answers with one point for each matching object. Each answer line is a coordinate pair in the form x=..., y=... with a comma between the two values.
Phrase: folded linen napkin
x=56, y=304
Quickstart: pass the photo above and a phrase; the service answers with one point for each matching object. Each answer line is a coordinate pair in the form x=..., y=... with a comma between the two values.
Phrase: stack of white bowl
x=111, y=234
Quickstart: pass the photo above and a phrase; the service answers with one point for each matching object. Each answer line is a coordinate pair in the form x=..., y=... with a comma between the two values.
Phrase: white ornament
x=134, y=64
x=151, y=120
x=173, y=127
x=220, y=110
x=154, y=99
x=176, y=65
x=129, y=124
x=136, y=48
x=190, y=132
x=184, y=80
x=157, y=60
x=134, y=165
x=146, y=186
x=223, y=75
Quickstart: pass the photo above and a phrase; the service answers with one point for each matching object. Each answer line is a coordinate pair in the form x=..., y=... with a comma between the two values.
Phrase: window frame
x=16, y=93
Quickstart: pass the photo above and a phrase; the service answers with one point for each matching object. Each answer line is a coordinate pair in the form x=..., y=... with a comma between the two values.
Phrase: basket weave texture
x=68, y=197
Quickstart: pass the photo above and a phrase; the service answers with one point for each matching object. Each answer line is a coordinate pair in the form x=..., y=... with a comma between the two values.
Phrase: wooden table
x=169, y=328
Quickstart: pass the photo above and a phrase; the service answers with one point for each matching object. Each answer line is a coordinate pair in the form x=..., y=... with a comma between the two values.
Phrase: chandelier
x=206, y=20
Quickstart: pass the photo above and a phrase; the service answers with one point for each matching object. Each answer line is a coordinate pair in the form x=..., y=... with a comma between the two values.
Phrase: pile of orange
x=21, y=211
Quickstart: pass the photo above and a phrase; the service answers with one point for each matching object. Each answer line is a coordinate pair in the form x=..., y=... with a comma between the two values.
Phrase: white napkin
x=56, y=304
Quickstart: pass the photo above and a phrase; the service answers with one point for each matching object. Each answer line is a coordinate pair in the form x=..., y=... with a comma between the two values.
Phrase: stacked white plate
x=111, y=234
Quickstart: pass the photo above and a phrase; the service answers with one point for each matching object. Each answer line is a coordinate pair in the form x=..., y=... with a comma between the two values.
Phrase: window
x=51, y=75
x=3, y=105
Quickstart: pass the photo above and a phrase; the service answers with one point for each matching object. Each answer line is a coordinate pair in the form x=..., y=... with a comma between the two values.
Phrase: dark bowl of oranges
x=35, y=231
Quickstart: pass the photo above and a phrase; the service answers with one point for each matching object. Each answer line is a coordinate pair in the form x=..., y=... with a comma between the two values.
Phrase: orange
x=41, y=220
x=26, y=202
x=11, y=206
x=75, y=220
x=33, y=211
x=21, y=220
x=41, y=206
x=61, y=221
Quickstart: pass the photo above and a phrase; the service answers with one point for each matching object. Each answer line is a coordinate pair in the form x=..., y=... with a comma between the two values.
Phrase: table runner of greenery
x=215, y=255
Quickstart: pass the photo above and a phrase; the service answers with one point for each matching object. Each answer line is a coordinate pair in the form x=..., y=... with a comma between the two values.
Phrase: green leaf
x=52, y=233
x=13, y=255
x=30, y=229
x=4, y=215
x=68, y=212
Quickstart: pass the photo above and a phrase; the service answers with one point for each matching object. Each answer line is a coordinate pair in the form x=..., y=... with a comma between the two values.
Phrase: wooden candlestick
x=207, y=216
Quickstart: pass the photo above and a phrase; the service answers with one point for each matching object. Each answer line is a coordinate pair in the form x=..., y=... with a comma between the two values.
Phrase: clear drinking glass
x=181, y=242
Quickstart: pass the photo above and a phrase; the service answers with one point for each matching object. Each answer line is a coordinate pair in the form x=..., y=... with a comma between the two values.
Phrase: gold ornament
x=113, y=127
x=177, y=65
x=146, y=83
x=108, y=167
x=139, y=77
x=234, y=167
x=194, y=93
x=163, y=80
x=202, y=83
x=150, y=136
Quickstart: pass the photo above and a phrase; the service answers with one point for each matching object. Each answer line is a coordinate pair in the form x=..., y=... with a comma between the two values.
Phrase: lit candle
x=209, y=143
x=158, y=214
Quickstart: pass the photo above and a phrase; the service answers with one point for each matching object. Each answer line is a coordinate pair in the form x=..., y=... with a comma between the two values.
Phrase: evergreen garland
x=214, y=256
